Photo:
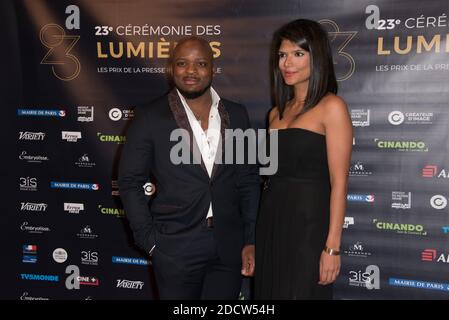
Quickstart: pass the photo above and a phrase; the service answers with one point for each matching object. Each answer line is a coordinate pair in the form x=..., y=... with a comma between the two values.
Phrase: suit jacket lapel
x=182, y=121
x=225, y=123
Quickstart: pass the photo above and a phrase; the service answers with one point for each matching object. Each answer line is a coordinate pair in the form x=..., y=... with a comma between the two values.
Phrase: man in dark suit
x=199, y=225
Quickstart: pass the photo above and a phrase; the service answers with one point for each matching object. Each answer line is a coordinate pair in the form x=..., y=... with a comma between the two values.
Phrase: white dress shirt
x=208, y=140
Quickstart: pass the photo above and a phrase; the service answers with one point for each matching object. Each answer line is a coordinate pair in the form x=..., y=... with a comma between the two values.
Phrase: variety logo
x=31, y=159
x=431, y=171
x=401, y=200
x=71, y=136
x=28, y=184
x=360, y=117
x=401, y=228
x=89, y=257
x=85, y=113
x=361, y=198
x=438, y=202
x=32, y=229
x=401, y=145
x=74, y=185
x=31, y=136
x=111, y=138
x=39, y=277
x=370, y=278
x=418, y=284
x=357, y=250
x=86, y=233
x=73, y=207
x=31, y=206
x=128, y=284
x=85, y=162
x=41, y=113
x=116, y=114
x=60, y=255
x=126, y=260
x=25, y=296
x=348, y=221
x=119, y=213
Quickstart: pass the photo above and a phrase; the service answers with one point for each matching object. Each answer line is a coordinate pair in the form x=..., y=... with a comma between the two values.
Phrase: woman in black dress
x=303, y=204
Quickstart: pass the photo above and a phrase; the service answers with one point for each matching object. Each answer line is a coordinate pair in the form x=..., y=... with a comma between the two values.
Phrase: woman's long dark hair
x=309, y=36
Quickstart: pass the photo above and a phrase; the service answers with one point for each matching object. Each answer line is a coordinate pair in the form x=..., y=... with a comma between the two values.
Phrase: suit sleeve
x=134, y=170
x=248, y=186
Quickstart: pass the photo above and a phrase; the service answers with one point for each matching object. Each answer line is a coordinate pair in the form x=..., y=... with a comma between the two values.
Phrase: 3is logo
x=64, y=64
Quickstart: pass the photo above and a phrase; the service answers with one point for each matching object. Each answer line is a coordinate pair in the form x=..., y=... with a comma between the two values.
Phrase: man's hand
x=248, y=260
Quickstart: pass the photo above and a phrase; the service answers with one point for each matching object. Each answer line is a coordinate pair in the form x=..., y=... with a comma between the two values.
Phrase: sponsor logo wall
x=86, y=66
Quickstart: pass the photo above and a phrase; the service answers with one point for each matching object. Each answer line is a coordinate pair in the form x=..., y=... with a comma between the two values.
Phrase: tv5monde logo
x=64, y=64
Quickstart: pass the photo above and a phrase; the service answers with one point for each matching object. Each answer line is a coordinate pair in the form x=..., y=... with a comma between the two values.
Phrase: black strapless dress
x=293, y=220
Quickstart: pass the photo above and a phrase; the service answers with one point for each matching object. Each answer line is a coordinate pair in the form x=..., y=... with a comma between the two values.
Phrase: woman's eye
x=299, y=54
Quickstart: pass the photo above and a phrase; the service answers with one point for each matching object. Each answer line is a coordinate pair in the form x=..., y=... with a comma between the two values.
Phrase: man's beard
x=195, y=94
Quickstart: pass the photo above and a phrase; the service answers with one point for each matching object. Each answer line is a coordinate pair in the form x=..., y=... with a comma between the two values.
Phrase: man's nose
x=191, y=68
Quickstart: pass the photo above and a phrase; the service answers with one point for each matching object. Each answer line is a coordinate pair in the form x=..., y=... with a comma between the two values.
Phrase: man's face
x=192, y=69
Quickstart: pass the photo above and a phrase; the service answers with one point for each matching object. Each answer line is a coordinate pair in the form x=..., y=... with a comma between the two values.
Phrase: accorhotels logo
x=431, y=255
x=361, y=198
x=399, y=145
x=401, y=228
x=111, y=138
x=41, y=113
x=71, y=136
x=432, y=171
x=26, y=296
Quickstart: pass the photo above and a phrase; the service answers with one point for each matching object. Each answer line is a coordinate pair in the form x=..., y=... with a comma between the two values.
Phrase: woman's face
x=294, y=63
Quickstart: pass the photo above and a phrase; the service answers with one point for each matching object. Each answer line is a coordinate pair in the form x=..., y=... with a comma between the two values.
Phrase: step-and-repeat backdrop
x=73, y=72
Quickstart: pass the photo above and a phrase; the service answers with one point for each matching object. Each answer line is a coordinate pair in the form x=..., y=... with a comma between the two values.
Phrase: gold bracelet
x=331, y=252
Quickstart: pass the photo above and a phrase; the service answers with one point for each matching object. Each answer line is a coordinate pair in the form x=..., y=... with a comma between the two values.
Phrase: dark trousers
x=197, y=273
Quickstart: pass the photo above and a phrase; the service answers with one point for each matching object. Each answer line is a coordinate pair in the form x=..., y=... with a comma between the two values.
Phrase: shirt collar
x=214, y=95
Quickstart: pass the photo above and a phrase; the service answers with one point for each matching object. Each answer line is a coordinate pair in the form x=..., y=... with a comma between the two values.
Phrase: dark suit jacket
x=179, y=207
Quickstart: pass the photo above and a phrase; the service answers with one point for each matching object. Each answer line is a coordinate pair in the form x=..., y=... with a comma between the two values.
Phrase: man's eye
x=180, y=64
